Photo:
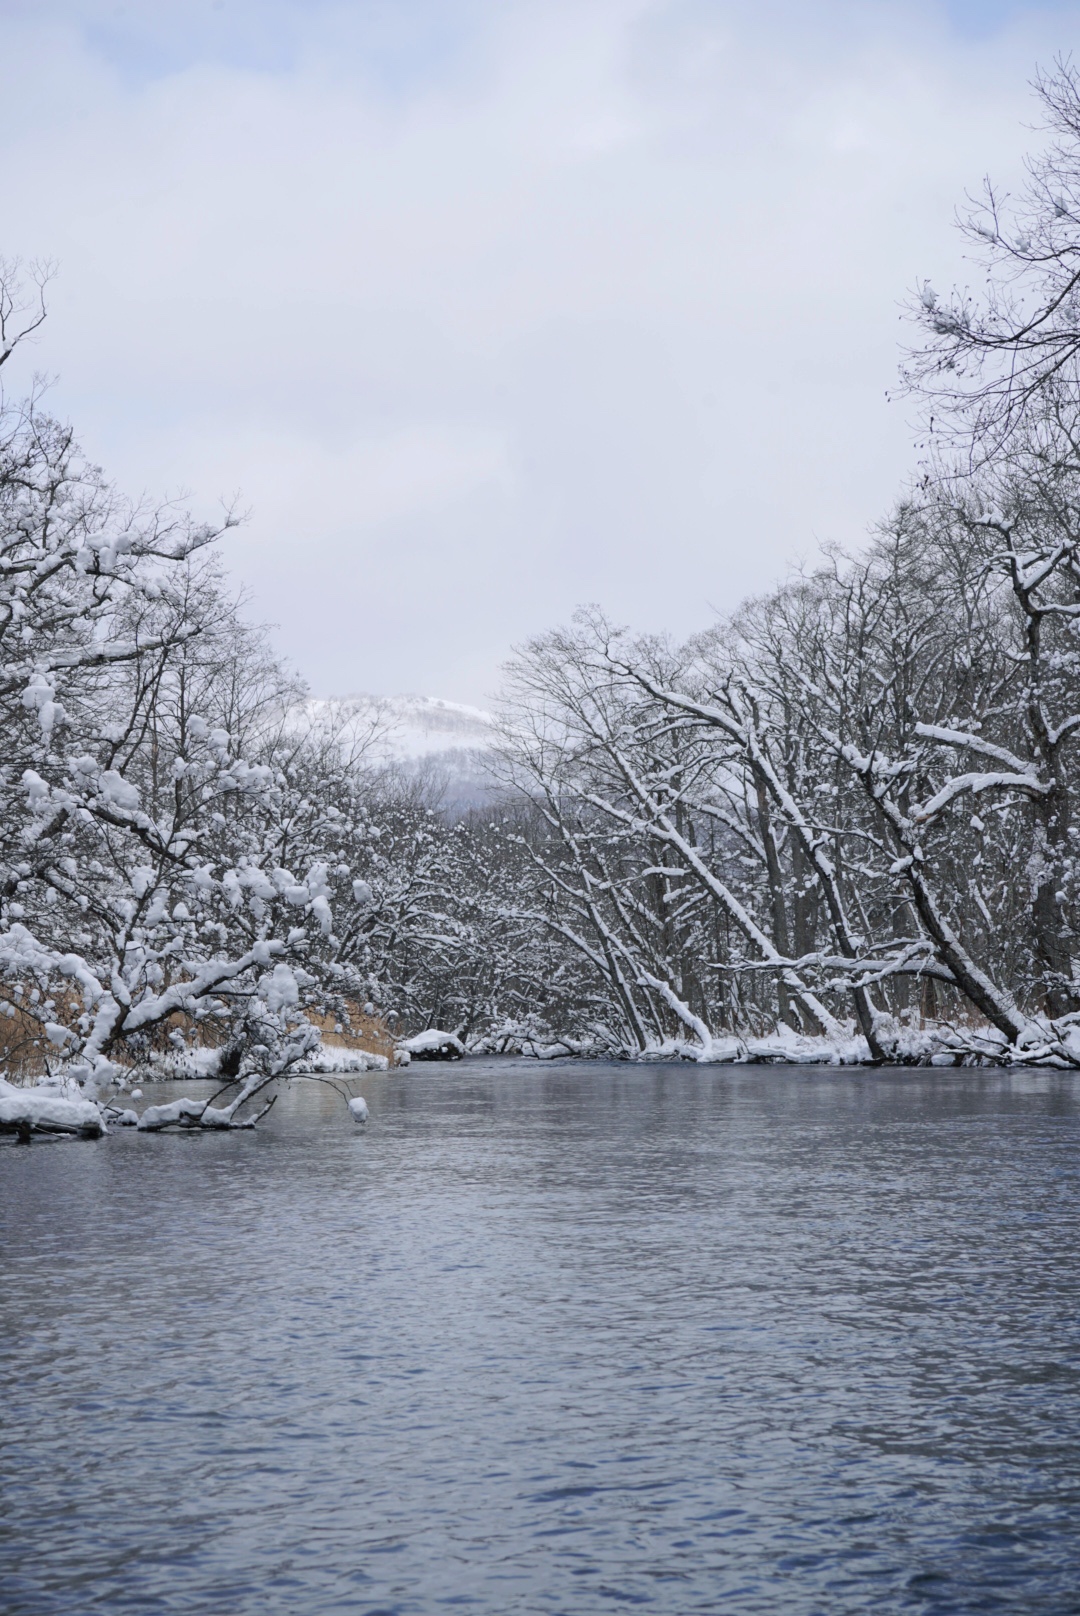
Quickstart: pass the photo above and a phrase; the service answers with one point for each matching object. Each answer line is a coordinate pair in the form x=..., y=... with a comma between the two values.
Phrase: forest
x=838, y=825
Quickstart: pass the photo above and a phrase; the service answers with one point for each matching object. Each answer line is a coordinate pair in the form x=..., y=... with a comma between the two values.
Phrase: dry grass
x=25, y=1051
x=369, y=1033
x=23, y=1047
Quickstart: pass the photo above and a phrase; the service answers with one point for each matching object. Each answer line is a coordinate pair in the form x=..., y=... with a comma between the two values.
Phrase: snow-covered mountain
x=443, y=742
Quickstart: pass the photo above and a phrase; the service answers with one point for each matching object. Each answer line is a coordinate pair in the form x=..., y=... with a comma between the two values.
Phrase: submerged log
x=434, y=1045
x=28, y=1111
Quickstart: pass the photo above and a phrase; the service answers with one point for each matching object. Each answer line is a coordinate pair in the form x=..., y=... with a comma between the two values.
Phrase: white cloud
x=561, y=302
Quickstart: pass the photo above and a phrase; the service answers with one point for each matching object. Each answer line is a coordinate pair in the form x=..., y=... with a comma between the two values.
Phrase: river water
x=553, y=1339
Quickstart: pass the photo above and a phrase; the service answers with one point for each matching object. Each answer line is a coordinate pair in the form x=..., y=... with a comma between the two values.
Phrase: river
x=553, y=1339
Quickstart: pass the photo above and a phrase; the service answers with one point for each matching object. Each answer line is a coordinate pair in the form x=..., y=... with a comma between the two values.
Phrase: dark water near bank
x=553, y=1340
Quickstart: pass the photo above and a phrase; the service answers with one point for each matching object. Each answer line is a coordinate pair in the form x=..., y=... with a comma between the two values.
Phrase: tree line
x=851, y=806
x=841, y=820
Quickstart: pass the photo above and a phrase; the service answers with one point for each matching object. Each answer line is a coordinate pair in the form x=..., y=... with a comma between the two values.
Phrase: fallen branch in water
x=44, y=1110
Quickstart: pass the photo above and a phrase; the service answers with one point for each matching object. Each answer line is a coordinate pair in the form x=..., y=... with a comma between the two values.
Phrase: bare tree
x=988, y=360
x=23, y=308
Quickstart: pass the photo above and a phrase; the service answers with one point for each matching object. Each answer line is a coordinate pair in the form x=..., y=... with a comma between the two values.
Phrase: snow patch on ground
x=914, y=1046
x=187, y=1063
x=341, y=1060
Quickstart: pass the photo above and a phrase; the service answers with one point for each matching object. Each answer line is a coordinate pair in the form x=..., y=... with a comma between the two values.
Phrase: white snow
x=118, y=791
x=412, y=726
x=182, y=1110
x=358, y=1108
x=49, y=1108
x=432, y=1039
x=420, y=734
x=332, y=1059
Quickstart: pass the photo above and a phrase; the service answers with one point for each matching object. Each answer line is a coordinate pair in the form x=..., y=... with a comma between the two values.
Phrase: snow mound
x=49, y=1108
x=200, y=1062
x=163, y=1116
x=433, y=1045
x=342, y=1060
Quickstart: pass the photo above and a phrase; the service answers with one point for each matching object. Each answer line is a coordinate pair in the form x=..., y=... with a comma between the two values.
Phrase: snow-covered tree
x=170, y=862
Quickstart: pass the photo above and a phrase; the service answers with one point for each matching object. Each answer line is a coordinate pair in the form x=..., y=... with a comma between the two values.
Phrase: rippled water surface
x=567, y=1339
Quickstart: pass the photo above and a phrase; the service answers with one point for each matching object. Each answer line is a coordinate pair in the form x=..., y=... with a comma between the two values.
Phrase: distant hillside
x=444, y=743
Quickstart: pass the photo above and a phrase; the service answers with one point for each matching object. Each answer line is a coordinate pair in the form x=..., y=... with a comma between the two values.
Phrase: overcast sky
x=487, y=308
